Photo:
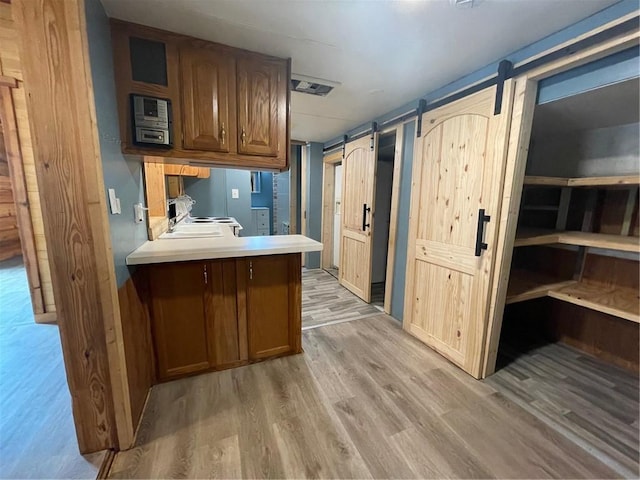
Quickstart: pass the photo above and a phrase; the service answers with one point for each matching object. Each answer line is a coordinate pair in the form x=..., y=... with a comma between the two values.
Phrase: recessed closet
x=574, y=272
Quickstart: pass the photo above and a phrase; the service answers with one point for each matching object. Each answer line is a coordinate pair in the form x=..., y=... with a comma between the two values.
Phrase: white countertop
x=228, y=246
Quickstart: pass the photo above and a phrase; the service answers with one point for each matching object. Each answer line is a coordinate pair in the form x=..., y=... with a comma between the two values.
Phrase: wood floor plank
x=368, y=400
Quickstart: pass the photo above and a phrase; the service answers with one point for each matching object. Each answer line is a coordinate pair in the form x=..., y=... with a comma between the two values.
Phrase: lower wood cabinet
x=274, y=306
x=217, y=314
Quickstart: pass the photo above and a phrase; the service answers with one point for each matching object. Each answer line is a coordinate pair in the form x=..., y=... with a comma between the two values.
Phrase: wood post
x=57, y=78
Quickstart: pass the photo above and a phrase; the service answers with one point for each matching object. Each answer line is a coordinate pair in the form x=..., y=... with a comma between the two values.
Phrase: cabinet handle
x=482, y=219
x=223, y=134
x=206, y=279
x=243, y=136
x=250, y=270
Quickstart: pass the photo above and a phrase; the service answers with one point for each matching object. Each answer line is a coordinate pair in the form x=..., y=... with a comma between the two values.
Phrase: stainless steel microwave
x=151, y=121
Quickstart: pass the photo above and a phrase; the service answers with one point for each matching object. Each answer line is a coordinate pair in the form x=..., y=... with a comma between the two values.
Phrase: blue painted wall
x=616, y=68
x=265, y=197
x=314, y=200
x=209, y=194
x=120, y=173
x=402, y=236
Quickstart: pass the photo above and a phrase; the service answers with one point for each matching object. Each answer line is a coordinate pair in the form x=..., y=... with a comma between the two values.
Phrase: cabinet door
x=208, y=96
x=458, y=170
x=273, y=305
x=179, y=324
x=262, y=97
x=226, y=331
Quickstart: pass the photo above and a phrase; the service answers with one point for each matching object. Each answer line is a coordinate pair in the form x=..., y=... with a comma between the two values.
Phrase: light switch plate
x=235, y=193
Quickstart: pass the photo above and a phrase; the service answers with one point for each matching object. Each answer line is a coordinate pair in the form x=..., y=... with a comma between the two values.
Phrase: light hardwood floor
x=367, y=400
x=324, y=301
x=37, y=435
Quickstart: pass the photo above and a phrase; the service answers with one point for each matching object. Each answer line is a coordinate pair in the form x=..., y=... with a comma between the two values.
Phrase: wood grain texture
x=619, y=180
x=273, y=305
x=178, y=318
x=368, y=401
x=586, y=239
x=208, y=98
x=9, y=235
x=11, y=66
x=458, y=167
x=53, y=37
x=328, y=210
x=133, y=298
x=24, y=225
x=358, y=189
x=173, y=91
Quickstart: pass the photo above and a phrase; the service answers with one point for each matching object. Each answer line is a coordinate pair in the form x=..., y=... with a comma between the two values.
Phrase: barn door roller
x=344, y=145
x=422, y=107
x=504, y=72
x=374, y=129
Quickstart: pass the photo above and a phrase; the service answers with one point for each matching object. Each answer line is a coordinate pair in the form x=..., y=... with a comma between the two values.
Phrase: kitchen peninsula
x=222, y=302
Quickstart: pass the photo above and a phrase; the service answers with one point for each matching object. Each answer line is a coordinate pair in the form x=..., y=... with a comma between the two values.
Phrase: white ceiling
x=383, y=53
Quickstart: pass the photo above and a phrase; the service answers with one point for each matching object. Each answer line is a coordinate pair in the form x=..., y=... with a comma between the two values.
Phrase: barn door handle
x=482, y=219
x=365, y=210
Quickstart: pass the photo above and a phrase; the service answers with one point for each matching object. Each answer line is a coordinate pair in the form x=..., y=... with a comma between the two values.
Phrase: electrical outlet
x=114, y=202
x=235, y=193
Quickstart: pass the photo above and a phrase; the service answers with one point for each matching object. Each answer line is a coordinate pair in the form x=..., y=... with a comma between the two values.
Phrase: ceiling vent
x=312, y=86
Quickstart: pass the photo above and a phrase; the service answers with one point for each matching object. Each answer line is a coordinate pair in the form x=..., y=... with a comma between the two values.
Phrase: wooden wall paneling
x=133, y=298
x=393, y=221
x=517, y=153
x=609, y=338
x=69, y=172
x=9, y=234
x=11, y=144
x=10, y=67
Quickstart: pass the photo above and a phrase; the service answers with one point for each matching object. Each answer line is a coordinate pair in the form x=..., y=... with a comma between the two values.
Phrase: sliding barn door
x=458, y=171
x=356, y=233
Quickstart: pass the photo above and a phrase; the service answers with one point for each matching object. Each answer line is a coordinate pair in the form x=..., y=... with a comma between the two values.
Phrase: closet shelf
x=618, y=301
x=621, y=180
x=526, y=285
x=583, y=239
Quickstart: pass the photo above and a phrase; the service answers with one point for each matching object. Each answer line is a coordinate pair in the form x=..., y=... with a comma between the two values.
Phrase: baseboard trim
x=103, y=473
x=49, y=317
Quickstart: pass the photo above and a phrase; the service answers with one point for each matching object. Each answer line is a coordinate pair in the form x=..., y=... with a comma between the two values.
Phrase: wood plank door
x=458, y=171
x=208, y=97
x=358, y=212
x=262, y=93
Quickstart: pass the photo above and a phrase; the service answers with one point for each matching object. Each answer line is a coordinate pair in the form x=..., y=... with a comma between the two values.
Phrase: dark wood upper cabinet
x=208, y=98
x=260, y=119
x=230, y=107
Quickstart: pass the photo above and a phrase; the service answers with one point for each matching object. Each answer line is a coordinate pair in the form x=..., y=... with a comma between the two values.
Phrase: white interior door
x=337, y=209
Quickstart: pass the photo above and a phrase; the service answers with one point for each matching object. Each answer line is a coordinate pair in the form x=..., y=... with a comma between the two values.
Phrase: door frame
x=526, y=89
x=330, y=161
x=21, y=200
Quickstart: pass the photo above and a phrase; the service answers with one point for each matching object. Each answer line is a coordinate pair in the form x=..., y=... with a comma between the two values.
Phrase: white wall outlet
x=114, y=202
x=235, y=193
x=138, y=212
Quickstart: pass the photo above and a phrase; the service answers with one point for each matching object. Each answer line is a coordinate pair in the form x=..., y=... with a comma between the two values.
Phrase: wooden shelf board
x=620, y=302
x=526, y=285
x=584, y=239
x=608, y=181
